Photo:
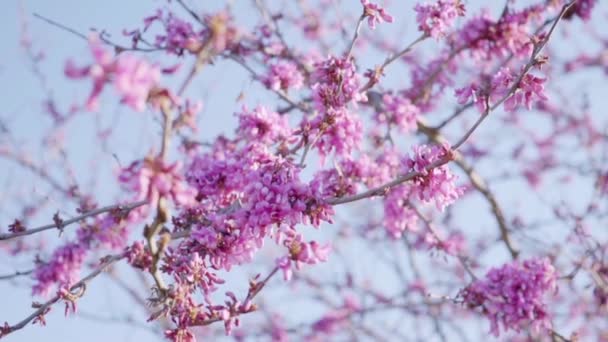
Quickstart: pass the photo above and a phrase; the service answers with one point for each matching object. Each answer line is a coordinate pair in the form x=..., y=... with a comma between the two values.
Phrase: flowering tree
x=453, y=189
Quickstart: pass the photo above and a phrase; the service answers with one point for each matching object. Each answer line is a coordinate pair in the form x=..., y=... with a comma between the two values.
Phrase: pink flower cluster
x=512, y=296
x=529, y=89
x=336, y=83
x=132, y=77
x=436, y=19
x=399, y=110
x=375, y=14
x=152, y=178
x=301, y=252
x=338, y=181
x=138, y=256
x=398, y=215
x=283, y=76
x=62, y=269
x=437, y=184
x=337, y=130
x=476, y=94
x=263, y=125
x=179, y=35
x=512, y=33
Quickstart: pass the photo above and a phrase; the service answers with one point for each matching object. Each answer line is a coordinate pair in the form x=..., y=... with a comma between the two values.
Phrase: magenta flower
x=139, y=256
x=436, y=19
x=339, y=131
x=399, y=110
x=583, y=8
x=529, y=89
x=133, y=77
x=62, y=269
x=152, y=178
x=513, y=296
x=99, y=71
x=476, y=95
x=437, y=184
x=398, y=215
x=263, y=125
x=375, y=14
x=283, y=76
x=336, y=83
x=301, y=252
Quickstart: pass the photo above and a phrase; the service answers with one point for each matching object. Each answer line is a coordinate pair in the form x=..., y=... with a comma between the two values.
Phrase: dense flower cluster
x=435, y=184
x=263, y=125
x=512, y=296
x=62, y=269
x=284, y=76
x=399, y=110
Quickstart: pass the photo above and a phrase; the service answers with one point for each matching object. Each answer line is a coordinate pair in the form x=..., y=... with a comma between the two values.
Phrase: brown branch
x=41, y=309
x=16, y=274
x=122, y=207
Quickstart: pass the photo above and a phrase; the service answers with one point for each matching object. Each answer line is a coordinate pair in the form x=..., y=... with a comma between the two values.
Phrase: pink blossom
x=437, y=184
x=530, y=88
x=338, y=181
x=139, y=256
x=400, y=111
x=99, y=71
x=339, y=130
x=375, y=14
x=62, y=269
x=398, y=215
x=153, y=178
x=476, y=95
x=512, y=296
x=283, y=76
x=584, y=8
x=263, y=125
x=133, y=79
x=435, y=19
x=336, y=83
x=301, y=252
x=180, y=335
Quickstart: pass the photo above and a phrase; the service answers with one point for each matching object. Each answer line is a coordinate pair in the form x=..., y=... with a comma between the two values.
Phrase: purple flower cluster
x=436, y=19
x=62, y=269
x=512, y=296
x=301, y=252
x=152, y=178
x=510, y=34
x=399, y=110
x=283, y=76
x=437, y=184
x=263, y=125
x=398, y=215
x=375, y=14
x=529, y=88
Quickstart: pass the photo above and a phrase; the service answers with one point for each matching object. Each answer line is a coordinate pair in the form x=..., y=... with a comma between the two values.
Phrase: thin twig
x=63, y=224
